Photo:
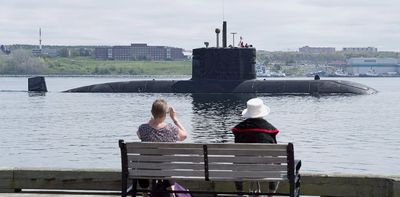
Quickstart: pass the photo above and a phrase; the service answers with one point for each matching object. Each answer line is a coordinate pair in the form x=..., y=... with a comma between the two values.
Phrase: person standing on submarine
x=156, y=130
x=241, y=44
x=255, y=129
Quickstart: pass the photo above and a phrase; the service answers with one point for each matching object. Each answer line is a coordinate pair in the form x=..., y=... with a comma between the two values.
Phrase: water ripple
x=355, y=134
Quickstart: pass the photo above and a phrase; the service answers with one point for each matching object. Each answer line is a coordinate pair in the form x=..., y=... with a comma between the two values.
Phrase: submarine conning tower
x=226, y=63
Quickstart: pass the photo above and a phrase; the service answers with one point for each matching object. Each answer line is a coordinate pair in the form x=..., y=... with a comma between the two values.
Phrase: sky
x=273, y=25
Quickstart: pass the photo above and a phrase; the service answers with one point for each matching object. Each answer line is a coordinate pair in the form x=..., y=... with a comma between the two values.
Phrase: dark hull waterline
x=231, y=86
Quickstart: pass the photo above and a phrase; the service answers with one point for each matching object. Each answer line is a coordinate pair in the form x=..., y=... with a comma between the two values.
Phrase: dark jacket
x=255, y=130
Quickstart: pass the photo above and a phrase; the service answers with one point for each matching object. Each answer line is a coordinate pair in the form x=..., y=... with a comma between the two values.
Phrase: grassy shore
x=21, y=62
x=87, y=66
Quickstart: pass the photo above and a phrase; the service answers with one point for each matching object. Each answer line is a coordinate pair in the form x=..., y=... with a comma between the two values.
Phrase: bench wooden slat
x=213, y=166
x=133, y=145
x=248, y=152
x=172, y=158
x=167, y=151
x=199, y=158
x=161, y=145
x=166, y=166
x=214, y=175
x=165, y=173
x=245, y=159
x=247, y=167
x=246, y=174
x=248, y=146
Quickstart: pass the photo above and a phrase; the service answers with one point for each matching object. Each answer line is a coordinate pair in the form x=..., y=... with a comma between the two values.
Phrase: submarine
x=229, y=70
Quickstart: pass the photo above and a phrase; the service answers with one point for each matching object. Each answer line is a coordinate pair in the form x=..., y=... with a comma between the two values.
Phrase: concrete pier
x=105, y=181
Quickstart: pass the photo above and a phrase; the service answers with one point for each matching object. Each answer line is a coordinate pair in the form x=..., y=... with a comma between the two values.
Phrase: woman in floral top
x=156, y=130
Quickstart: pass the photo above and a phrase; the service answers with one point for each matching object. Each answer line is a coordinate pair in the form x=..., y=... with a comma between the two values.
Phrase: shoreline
x=186, y=76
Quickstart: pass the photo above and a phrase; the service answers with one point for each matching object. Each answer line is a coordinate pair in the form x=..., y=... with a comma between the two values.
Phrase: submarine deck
x=291, y=87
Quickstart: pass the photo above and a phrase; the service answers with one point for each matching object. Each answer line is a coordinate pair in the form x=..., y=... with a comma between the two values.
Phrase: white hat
x=255, y=109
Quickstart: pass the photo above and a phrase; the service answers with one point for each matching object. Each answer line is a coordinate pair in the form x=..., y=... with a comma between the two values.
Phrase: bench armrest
x=297, y=165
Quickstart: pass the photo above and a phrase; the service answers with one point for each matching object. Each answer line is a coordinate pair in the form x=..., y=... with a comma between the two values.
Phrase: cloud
x=267, y=24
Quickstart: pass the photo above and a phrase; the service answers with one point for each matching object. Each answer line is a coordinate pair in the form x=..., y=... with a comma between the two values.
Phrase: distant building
x=45, y=52
x=36, y=52
x=358, y=66
x=84, y=52
x=139, y=51
x=360, y=49
x=122, y=53
x=308, y=49
x=101, y=53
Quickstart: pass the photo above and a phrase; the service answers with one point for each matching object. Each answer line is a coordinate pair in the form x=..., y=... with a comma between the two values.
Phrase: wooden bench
x=209, y=162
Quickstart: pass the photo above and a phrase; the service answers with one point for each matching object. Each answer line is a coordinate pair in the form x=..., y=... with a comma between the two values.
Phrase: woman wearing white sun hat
x=255, y=129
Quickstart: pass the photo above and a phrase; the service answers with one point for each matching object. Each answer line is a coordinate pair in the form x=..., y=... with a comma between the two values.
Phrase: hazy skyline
x=267, y=24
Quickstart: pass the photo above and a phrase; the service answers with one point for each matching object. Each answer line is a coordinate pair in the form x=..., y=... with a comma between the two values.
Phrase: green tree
x=64, y=52
x=21, y=62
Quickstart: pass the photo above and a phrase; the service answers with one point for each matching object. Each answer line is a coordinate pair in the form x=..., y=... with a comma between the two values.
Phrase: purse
x=178, y=187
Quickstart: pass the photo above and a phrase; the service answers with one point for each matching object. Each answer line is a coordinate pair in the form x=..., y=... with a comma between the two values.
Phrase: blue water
x=332, y=134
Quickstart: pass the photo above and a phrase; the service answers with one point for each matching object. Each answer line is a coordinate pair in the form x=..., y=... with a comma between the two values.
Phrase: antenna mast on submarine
x=224, y=29
x=233, y=38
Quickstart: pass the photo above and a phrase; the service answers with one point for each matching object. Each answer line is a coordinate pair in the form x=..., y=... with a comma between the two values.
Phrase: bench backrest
x=207, y=161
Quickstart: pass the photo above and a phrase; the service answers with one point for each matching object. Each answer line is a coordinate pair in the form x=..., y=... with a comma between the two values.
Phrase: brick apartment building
x=138, y=51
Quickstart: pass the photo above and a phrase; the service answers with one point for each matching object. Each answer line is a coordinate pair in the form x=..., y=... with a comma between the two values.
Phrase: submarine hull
x=294, y=87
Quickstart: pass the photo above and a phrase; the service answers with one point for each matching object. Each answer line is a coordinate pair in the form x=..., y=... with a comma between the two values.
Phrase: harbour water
x=343, y=134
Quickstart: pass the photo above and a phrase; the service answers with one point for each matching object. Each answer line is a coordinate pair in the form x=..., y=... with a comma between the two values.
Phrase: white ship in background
x=263, y=71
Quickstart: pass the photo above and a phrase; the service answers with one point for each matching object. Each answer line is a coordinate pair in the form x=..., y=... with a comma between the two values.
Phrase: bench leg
x=134, y=187
x=124, y=187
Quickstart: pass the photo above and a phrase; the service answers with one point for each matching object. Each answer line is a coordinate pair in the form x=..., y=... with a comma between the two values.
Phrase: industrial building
x=139, y=51
x=316, y=50
x=373, y=66
x=307, y=49
x=45, y=52
x=360, y=49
